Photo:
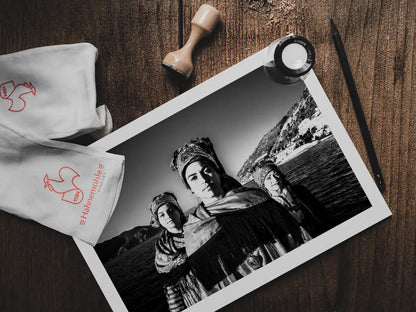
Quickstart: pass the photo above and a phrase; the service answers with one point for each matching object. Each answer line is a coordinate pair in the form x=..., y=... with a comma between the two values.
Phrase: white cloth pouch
x=50, y=91
x=67, y=187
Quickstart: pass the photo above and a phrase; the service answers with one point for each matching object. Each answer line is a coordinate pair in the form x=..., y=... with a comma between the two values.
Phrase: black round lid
x=310, y=60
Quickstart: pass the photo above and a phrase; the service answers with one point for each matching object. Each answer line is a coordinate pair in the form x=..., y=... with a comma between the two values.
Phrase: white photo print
x=227, y=187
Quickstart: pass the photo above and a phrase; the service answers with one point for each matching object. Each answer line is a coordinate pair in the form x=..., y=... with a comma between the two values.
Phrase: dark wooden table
x=42, y=270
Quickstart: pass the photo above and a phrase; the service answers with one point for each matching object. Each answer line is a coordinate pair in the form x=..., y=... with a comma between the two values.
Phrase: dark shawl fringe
x=242, y=231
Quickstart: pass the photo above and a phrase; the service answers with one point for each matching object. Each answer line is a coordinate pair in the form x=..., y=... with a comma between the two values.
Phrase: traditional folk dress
x=236, y=235
x=310, y=214
x=181, y=287
x=302, y=205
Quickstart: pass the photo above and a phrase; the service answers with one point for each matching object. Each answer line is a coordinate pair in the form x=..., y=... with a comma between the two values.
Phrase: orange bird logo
x=14, y=94
x=65, y=186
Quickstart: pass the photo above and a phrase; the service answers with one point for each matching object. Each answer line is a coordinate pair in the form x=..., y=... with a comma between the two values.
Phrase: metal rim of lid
x=310, y=61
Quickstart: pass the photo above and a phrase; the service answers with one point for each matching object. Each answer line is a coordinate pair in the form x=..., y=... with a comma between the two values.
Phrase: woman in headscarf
x=234, y=230
x=303, y=206
x=181, y=287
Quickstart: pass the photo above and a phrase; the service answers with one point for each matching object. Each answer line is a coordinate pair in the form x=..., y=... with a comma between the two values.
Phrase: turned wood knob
x=203, y=23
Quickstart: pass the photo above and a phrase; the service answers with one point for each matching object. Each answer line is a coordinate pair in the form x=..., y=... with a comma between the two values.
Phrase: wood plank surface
x=42, y=270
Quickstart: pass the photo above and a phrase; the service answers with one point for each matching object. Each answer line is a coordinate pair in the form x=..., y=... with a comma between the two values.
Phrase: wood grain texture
x=131, y=37
x=41, y=270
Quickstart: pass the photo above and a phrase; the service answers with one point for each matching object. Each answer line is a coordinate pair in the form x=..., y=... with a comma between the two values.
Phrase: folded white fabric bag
x=50, y=91
x=70, y=188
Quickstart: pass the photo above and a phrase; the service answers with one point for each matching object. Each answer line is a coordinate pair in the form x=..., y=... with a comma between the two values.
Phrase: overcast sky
x=235, y=118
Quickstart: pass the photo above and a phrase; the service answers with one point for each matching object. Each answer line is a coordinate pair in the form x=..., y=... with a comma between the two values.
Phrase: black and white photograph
x=224, y=188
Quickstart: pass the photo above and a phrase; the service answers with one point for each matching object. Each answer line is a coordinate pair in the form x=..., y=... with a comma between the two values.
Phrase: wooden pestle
x=203, y=23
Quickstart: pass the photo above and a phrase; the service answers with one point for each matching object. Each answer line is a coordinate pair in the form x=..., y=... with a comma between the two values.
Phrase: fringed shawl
x=220, y=236
x=170, y=252
x=172, y=263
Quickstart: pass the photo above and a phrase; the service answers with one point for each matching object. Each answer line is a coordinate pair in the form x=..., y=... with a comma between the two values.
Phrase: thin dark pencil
x=357, y=108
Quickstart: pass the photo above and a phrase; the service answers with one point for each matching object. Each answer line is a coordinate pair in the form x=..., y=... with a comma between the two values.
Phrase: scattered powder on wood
x=277, y=11
x=260, y=5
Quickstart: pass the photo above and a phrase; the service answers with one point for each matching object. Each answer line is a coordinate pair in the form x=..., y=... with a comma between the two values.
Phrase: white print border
x=377, y=212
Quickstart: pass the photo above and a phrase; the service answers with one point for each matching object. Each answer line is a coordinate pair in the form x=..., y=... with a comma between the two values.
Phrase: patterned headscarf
x=196, y=149
x=162, y=199
x=262, y=169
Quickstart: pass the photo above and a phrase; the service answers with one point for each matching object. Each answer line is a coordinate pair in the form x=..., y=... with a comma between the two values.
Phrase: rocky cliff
x=299, y=128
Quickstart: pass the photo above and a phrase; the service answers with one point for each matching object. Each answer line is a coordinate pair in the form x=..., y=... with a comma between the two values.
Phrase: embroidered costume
x=235, y=235
x=182, y=289
x=303, y=206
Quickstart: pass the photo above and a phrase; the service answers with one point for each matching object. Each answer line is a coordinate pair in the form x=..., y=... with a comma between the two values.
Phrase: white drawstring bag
x=50, y=91
x=67, y=187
